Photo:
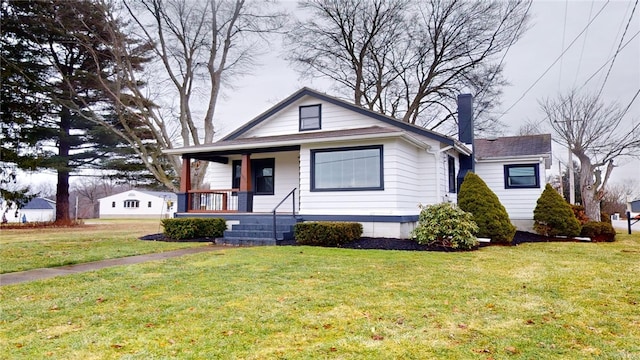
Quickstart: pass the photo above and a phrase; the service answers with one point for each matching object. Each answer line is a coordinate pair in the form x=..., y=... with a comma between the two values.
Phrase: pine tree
x=60, y=61
x=492, y=218
x=553, y=215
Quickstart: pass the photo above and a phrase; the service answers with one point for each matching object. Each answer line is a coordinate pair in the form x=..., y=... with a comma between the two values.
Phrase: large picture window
x=310, y=117
x=521, y=176
x=353, y=168
x=262, y=175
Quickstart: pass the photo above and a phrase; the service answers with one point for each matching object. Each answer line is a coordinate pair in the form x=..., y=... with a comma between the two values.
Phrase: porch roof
x=289, y=142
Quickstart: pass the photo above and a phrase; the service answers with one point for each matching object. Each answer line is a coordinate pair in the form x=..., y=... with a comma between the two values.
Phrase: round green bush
x=554, y=216
x=488, y=213
x=598, y=231
x=445, y=225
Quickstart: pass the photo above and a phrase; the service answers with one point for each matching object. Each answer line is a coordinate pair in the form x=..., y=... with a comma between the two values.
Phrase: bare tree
x=409, y=59
x=90, y=189
x=596, y=135
x=200, y=45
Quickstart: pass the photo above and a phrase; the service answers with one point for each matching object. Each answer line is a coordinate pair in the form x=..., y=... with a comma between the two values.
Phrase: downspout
x=436, y=155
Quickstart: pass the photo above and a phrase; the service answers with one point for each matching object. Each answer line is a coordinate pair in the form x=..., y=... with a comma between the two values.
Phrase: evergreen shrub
x=580, y=214
x=327, y=233
x=488, y=213
x=599, y=231
x=194, y=228
x=554, y=216
x=446, y=225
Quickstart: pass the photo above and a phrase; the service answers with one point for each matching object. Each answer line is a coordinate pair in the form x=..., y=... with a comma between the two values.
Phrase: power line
x=584, y=42
x=564, y=32
x=554, y=62
x=617, y=50
x=609, y=59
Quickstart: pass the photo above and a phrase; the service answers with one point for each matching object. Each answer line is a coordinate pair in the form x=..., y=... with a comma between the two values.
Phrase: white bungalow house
x=138, y=204
x=314, y=157
x=36, y=210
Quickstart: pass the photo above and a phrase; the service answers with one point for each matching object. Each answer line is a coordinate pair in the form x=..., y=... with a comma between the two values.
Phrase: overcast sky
x=525, y=66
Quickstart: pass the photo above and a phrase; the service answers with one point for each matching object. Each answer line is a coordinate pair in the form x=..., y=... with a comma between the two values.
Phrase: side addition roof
x=514, y=147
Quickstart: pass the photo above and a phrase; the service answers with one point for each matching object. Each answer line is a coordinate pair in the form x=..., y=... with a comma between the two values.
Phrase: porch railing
x=291, y=193
x=213, y=200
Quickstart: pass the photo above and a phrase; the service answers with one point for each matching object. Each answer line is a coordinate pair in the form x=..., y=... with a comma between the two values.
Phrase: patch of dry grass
x=544, y=300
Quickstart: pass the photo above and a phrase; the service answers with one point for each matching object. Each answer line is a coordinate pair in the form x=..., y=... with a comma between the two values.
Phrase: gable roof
x=514, y=146
x=40, y=204
x=344, y=104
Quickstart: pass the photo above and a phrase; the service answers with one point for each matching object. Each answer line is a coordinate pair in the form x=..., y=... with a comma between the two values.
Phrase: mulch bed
x=393, y=244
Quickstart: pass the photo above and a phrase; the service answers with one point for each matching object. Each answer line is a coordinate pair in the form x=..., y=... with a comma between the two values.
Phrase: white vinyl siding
x=286, y=175
x=406, y=183
x=334, y=117
x=149, y=205
x=519, y=203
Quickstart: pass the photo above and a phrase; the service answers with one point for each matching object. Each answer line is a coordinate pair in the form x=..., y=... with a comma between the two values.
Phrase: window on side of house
x=113, y=204
x=347, y=169
x=149, y=204
x=131, y=204
x=262, y=175
x=451, y=162
x=310, y=117
x=521, y=176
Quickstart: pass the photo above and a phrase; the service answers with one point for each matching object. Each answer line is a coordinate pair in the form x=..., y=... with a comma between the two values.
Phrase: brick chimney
x=465, y=134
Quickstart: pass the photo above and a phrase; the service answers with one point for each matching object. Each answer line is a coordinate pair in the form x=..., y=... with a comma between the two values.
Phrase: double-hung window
x=521, y=176
x=345, y=169
x=310, y=117
x=131, y=203
x=451, y=162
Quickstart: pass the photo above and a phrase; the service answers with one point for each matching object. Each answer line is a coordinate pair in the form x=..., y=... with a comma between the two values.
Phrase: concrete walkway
x=45, y=273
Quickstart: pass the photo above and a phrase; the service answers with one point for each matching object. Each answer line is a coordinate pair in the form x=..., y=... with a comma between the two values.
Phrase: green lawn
x=533, y=301
x=25, y=249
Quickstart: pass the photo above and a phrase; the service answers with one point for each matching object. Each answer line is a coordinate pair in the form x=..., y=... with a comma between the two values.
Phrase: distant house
x=36, y=210
x=634, y=206
x=514, y=167
x=138, y=204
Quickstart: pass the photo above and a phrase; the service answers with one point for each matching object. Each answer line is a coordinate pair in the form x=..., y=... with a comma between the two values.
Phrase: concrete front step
x=239, y=241
x=256, y=234
x=258, y=231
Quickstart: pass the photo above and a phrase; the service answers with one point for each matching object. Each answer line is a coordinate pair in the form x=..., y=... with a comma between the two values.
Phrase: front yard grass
x=533, y=301
x=31, y=248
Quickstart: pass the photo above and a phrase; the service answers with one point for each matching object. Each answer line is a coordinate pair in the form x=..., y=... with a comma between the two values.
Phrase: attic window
x=521, y=176
x=310, y=117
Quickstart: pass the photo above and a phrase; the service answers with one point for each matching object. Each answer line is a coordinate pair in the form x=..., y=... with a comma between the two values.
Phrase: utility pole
x=572, y=187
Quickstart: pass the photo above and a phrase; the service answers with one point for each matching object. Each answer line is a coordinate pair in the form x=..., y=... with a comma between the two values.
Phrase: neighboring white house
x=343, y=163
x=138, y=204
x=36, y=210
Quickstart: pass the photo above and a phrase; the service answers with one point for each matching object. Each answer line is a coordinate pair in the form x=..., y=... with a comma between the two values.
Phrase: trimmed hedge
x=194, y=228
x=554, y=216
x=599, y=231
x=326, y=233
x=488, y=213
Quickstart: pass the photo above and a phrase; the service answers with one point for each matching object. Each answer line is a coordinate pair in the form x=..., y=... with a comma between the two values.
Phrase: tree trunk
x=62, y=188
x=590, y=201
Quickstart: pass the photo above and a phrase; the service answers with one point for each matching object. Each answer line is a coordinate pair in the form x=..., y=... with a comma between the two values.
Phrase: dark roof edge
x=307, y=91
